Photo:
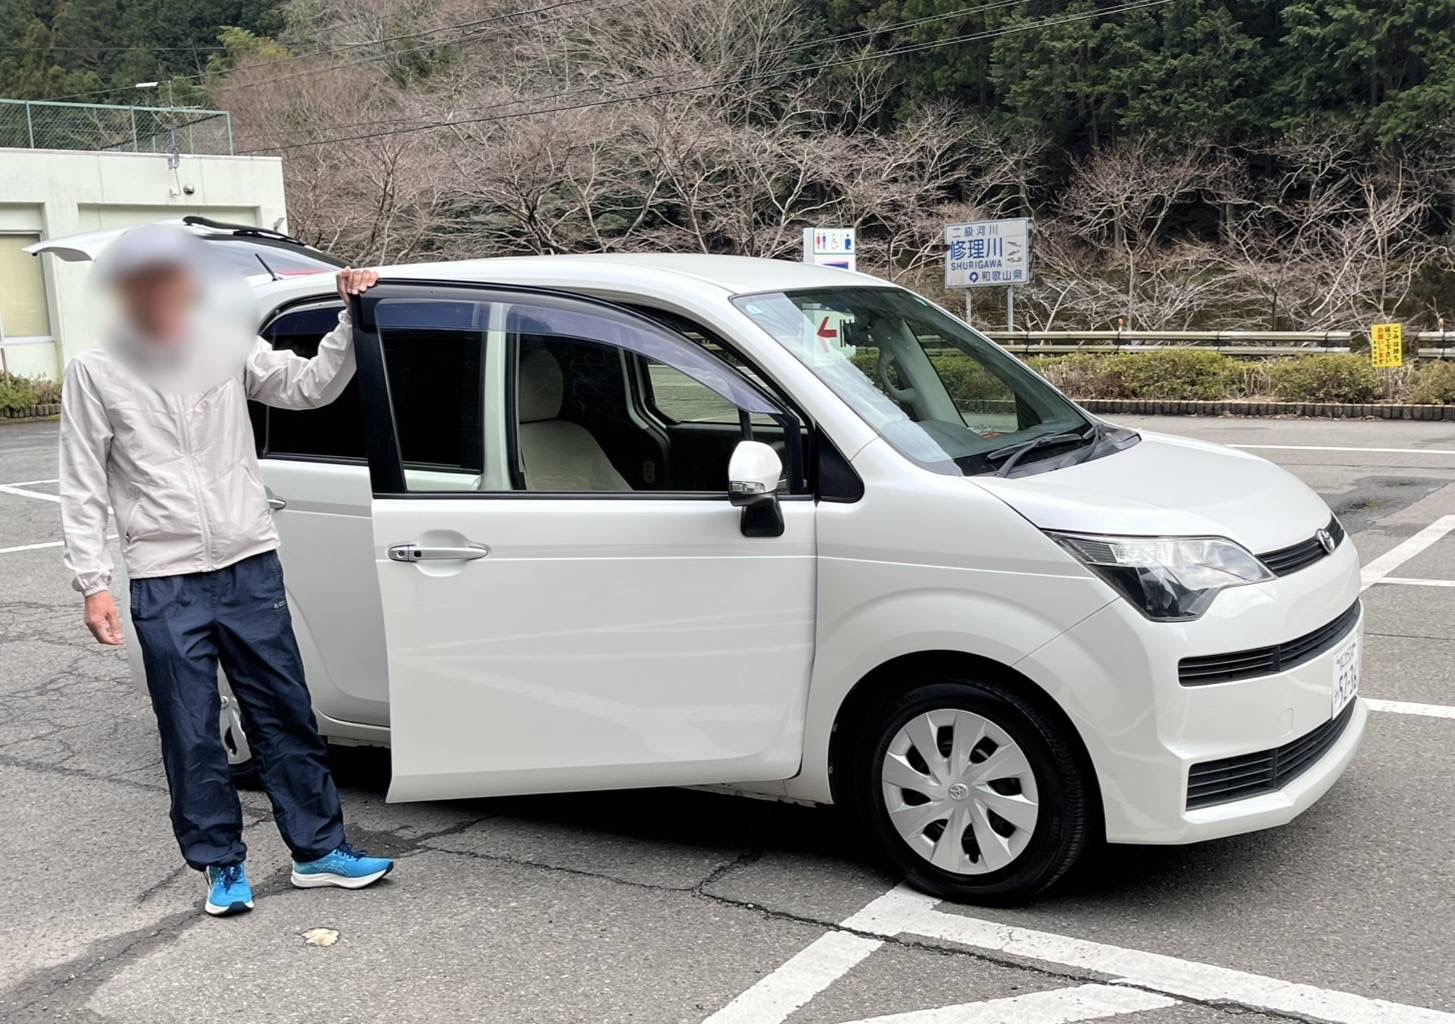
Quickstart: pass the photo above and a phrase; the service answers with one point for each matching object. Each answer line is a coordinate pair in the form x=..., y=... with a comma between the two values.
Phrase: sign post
x=830, y=247
x=1386, y=346
x=989, y=254
x=1386, y=351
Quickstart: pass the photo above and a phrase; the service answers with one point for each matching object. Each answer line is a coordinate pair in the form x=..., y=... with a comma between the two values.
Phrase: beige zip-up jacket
x=179, y=470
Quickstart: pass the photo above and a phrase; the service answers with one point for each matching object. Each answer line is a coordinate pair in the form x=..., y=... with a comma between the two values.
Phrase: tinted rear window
x=247, y=256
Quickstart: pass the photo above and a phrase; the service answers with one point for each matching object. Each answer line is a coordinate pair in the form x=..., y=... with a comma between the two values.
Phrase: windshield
x=940, y=393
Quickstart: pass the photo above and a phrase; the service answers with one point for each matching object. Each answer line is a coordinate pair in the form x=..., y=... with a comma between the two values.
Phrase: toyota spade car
x=594, y=522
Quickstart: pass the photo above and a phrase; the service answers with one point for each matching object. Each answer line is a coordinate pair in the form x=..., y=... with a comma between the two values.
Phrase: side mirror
x=753, y=474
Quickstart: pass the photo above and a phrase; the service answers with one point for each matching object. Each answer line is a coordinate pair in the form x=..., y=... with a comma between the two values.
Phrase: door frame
x=386, y=464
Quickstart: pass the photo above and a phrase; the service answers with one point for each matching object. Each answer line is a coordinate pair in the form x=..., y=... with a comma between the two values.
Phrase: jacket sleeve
x=286, y=380
x=85, y=449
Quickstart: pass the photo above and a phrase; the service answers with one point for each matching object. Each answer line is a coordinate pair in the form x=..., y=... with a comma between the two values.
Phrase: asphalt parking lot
x=688, y=906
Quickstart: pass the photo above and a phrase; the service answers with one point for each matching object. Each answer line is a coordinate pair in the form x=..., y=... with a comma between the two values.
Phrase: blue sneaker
x=345, y=867
x=228, y=891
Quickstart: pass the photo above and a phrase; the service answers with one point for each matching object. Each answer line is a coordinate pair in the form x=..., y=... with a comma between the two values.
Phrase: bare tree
x=1123, y=197
x=1334, y=238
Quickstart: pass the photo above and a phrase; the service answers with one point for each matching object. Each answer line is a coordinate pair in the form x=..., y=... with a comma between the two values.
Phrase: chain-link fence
x=25, y=124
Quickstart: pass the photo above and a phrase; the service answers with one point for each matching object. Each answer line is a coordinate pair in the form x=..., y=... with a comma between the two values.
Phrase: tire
x=245, y=774
x=240, y=760
x=1034, y=778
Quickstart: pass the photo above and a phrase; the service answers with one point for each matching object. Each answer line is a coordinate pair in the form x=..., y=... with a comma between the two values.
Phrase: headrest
x=540, y=386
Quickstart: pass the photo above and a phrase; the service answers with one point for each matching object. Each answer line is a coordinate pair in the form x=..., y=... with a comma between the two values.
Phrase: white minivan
x=592, y=522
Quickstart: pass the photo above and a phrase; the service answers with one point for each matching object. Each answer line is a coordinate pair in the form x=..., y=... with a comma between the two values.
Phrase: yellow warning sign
x=1386, y=346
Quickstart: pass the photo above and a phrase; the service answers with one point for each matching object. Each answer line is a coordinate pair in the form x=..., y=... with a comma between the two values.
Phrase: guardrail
x=1251, y=344
x=1435, y=344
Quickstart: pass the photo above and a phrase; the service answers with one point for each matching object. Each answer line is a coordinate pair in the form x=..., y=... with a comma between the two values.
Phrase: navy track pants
x=238, y=616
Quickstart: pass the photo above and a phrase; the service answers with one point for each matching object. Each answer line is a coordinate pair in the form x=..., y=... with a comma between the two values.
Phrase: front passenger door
x=582, y=627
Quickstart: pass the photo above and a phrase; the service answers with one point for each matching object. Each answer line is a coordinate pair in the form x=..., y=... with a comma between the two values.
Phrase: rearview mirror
x=753, y=474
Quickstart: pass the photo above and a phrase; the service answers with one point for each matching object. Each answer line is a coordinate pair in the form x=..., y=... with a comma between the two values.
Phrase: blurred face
x=157, y=300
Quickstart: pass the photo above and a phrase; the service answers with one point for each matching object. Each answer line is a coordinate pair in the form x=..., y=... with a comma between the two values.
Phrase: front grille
x=1236, y=778
x=1266, y=661
x=1303, y=554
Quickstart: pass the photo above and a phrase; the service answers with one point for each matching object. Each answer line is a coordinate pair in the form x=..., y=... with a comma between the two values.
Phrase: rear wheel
x=972, y=791
x=240, y=760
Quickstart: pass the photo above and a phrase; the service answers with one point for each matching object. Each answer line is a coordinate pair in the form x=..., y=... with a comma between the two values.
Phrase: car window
x=334, y=431
x=676, y=398
x=570, y=414
x=942, y=394
x=247, y=256
x=584, y=391
x=434, y=358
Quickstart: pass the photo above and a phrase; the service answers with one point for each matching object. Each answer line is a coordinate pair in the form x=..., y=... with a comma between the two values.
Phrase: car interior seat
x=558, y=455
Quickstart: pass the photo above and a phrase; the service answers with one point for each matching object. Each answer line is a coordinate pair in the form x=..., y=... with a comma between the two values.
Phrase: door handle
x=423, y=553
x=276, y=504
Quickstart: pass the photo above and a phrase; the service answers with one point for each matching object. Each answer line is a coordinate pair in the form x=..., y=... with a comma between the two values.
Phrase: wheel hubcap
x=234, y=739
x=960, y=791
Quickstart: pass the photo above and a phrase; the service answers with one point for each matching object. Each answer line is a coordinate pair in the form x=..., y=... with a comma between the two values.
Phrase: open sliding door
x=558, y=614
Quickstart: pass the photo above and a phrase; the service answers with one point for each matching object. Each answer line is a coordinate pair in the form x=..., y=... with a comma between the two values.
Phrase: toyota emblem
x=1326, y=540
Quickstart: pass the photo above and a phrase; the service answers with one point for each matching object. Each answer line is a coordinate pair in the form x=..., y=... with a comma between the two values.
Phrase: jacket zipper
x=182, y=416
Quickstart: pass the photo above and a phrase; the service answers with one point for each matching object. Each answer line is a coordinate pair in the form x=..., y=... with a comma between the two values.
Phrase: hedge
x=1181, y=375
x=1184, y=375
x=19, y=394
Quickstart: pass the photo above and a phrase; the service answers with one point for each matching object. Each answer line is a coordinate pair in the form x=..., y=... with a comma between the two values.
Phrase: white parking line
x=1400, y=707
x=41, y=546
x=817, y=966
x=21, y=492
x=30, y=483
x=1054, y=1006
x=903, y=911
x=1402, y=552
x=1337, y=448
x=31, y=547
x=1410, y=581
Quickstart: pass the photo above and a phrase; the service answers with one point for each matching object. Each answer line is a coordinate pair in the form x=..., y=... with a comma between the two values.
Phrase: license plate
x=1347, y=662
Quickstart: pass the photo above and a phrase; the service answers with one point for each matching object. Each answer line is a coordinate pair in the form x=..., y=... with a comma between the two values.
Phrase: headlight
x=1166, y=578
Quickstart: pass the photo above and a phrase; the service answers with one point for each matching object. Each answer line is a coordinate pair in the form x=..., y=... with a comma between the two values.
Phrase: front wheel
x=972, y=791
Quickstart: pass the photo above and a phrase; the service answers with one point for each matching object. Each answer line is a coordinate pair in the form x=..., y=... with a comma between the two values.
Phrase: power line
x=797, y=47
x=328, y=51
x=660, y=94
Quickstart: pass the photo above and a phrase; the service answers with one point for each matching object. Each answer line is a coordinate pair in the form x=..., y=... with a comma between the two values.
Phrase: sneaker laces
x=347, y=851
x=230, y=875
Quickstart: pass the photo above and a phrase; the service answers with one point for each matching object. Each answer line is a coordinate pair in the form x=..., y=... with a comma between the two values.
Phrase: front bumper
x=1116, y=676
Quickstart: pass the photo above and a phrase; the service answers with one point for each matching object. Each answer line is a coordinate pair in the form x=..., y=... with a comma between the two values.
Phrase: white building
x=50, y=193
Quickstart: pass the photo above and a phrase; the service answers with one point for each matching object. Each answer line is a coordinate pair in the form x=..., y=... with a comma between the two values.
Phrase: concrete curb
x=35, y=412
x=1253, y=407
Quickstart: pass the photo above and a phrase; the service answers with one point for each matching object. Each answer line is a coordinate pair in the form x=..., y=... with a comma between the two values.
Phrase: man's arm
x=85, y=448
x=286, y=380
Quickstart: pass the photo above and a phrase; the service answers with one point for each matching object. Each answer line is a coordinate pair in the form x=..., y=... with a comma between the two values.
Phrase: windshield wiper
x=1015, y=452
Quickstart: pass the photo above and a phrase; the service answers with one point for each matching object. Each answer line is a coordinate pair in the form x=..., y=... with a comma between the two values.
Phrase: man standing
x=155, y=425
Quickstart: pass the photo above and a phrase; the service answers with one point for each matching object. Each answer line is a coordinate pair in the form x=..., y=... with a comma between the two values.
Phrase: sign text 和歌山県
x=988, y=253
